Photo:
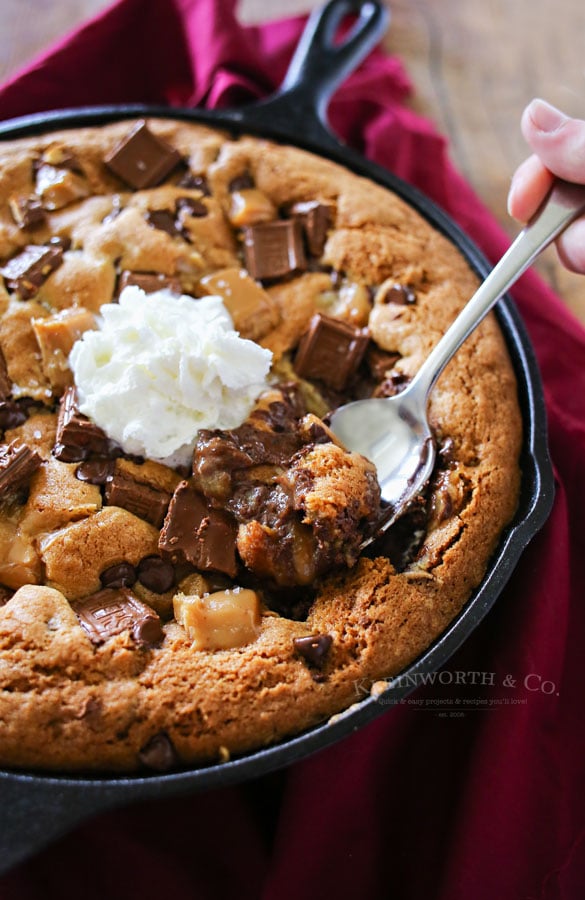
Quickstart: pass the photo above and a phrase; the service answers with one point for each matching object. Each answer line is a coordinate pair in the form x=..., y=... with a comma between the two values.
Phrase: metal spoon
x=394, y=432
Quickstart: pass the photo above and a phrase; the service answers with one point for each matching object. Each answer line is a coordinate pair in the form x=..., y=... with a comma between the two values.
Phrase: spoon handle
x=562, y=205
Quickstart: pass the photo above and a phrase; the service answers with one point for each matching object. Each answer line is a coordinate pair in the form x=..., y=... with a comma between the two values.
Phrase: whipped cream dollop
x=162, y=366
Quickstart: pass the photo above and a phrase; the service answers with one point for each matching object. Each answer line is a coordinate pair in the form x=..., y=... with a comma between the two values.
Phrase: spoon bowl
x=394, y=432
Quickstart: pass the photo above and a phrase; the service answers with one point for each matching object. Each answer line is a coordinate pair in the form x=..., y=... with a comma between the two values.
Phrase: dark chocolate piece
x=118, y=576
x=164, y=221
x=198, y=534
x=142, y=159
x=138, y=498
x=195, y=183
x=27, y=211
x=330, y=351
x=95, y=471
x=314, y=648
x=155, y=574
x=316, y=220
x=59, y=240
x=149, y=282
x=12, y=414
x=401, y=294
x=26, y=272
x=189, y=206
x=274, y=249
x=5, y=382
x=17, y=463
x=159, y=754
x=241, y=183
x=380, y=361
x=77, y=436
x=111, y=611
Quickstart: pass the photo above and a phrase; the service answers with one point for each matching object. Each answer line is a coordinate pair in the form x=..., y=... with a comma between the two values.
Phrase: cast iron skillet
x=35, y=807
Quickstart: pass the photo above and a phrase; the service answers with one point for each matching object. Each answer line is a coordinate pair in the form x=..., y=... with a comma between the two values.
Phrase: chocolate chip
x=195, y=182
x=316, y=220
x=27, y=211
x=274, y=249
x=379, y=362
x=112, y=611
x=164, y=221
x=29, y=269
x=95, y=471
x=155, y=574
x=159, y=753
x=241, y=183
x=77, y=436
x=5, y=382
x=17, y=464
x=188, y=206
x=400, y=294
x=142, y=159
x=149, y=282
x=198, y=534
x=140, y=499
x=314, y=648
x=120, y=575
x=330, y=351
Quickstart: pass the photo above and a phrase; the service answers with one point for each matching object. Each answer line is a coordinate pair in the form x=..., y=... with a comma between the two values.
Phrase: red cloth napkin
x=485, y=805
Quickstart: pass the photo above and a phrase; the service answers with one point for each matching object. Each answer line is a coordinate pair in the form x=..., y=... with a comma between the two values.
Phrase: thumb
x=557, y=139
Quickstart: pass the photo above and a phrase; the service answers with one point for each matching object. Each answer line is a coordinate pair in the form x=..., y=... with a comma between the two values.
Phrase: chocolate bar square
x=142, y=159
x=77, y=436
x=114, y=610
x=140, y=499
x=26, y=272
x=17, y=463
x=330, y=351
x=274, y=249
x=197, y=534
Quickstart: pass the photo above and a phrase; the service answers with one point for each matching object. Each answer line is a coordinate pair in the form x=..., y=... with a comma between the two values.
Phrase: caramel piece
x=58, y=187
x=56, y=335
x=249, y=206
x=19, y=561
x=254, y=312
x=221, y=620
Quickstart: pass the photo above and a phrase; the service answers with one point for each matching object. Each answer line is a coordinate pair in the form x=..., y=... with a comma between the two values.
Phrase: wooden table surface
x=474, y=65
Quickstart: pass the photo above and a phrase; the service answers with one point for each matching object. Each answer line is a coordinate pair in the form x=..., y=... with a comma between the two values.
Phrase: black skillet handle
x=318, y=67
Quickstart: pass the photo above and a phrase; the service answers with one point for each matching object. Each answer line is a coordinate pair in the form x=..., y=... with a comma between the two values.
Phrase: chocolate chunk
x=149, y=282
x=330, y=351
x=12, y=414
x=95, y=471
x=196, y=183
x=198, y=534
x=118, y=576
x=140, y=499
x=26, y=272
x=17, y=463
x=164, y=221
x=316, y=220
x=5, y=382
x=77, y=436
x=60, y=240
x=27, y=211
x=314, y=648
x=393, y=384
x=274, y=249
x=189, y=206
x=112, y=611
x=379, y=362
x=159, y=754
x=155, y=574
x=142, y=159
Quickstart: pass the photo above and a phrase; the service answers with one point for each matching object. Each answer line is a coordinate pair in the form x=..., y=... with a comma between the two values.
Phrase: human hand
x=558, y=142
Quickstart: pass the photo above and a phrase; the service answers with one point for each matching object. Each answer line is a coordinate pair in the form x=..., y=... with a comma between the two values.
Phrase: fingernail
x=545, y=116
